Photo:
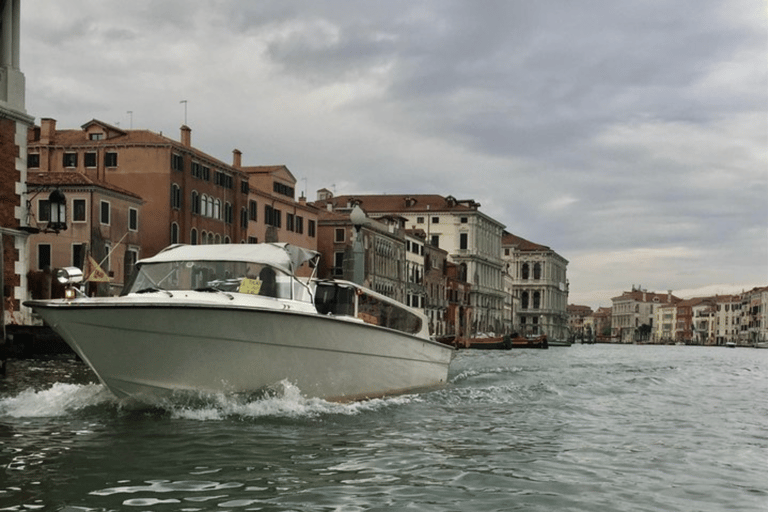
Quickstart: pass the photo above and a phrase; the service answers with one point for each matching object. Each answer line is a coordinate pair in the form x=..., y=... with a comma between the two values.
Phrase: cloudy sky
x=631, y=136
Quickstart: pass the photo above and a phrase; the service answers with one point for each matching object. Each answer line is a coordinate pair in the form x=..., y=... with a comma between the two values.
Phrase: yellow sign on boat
x=252, y=286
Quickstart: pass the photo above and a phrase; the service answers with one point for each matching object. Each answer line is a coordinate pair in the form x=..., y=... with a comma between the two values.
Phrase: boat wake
x=282, y=400
x=59, y=400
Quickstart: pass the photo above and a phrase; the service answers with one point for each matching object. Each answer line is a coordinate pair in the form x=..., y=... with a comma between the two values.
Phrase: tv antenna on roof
x=130, y=114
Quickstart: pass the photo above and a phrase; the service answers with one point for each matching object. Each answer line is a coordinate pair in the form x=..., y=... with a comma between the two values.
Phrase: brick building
x=14, y=123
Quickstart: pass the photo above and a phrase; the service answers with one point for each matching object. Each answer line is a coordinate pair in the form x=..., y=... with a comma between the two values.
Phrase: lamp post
x=358, y=219
x=58, y=217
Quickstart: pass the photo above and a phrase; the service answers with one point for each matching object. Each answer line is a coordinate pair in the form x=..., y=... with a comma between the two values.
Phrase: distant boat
x=731, y=344
x=236, y=319
x=507, y=342
x=761, y=344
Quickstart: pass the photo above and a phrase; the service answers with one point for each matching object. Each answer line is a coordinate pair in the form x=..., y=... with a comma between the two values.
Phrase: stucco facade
x=539, y=288
x=470, y=238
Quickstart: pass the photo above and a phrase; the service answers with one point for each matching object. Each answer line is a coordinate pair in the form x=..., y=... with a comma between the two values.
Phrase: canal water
x=582, y=428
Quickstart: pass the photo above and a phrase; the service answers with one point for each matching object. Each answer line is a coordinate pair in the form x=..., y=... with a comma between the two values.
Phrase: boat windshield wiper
x=213, y=289
x=153, y=289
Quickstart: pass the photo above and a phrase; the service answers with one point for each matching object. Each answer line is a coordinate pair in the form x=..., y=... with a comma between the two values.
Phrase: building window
x=244, y=218
x=338, y=264
x=196, y=170
x=217, y=209
x=70, y=160
x=43, y=256
x=110, y=159
x=193, y=236
x=96, y=136
x=340, y=235
x=537, y=270
x=245, y=187
x=175, y=197
x=536, y=300
x=283, y=189
x=106, y=263
x=464, y=220
x=299, y=224
x=435, y=220
x=174, y=233
x=435, y=240
x=526, y=271
x=463, y=241
x=105, y=213
x=33, y=160
x=253, y=240
x=195, y=202
x=524, y=300
x=253, y=211
x=79, y=210
x=223, y=179
x=133, y=219
x=289, y=221
x=177, y=162
x=78, y=255
x=228, y=213
x=90, y=159
x=311, y=229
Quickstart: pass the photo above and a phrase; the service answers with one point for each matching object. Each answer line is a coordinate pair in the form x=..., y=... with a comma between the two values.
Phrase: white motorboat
x=237, y=319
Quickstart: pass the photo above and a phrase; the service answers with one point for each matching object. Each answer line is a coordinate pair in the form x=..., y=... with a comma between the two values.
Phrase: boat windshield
x=213, y=276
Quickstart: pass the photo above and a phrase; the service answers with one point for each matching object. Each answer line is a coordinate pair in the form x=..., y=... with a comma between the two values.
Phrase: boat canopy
x=285, y=257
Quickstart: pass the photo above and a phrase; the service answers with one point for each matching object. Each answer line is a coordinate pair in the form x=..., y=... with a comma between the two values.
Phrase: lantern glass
x=58, y=203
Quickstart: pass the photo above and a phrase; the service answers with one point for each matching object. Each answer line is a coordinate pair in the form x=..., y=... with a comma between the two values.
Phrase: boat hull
x=155, y=350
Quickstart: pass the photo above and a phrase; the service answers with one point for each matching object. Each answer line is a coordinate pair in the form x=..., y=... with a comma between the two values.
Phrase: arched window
x=524, y=300
x=217, y=239
x=210, y=238
x=536, y=300
x=175, y=197
x=174, y=233
x=204, y=205
x=537, y=271
x=193, y=237
x=526, y=271
x=217, y=209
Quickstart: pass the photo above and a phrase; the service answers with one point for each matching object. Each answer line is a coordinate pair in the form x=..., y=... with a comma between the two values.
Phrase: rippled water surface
x=588, y=428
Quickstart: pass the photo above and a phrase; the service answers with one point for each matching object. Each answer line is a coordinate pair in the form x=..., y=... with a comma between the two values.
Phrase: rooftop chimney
x=47, y=130
x=237, y=158
x=186, y=135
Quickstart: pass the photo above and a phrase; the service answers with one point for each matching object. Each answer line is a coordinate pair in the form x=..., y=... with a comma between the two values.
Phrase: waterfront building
x=539, y=286
x=665, y=320
x=632, y=314
x=576, y=320
x=273, y=214
x=436, y=279
x=14, y=123
x=703, y=314
x=727, y=319
x=383, y=245
x=597, y=326
x=754, y=324
x=190, y=196
x=104, y=222
x=469, y=237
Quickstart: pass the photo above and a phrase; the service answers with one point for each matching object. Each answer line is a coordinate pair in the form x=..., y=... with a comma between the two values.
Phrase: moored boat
x=237, y=319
